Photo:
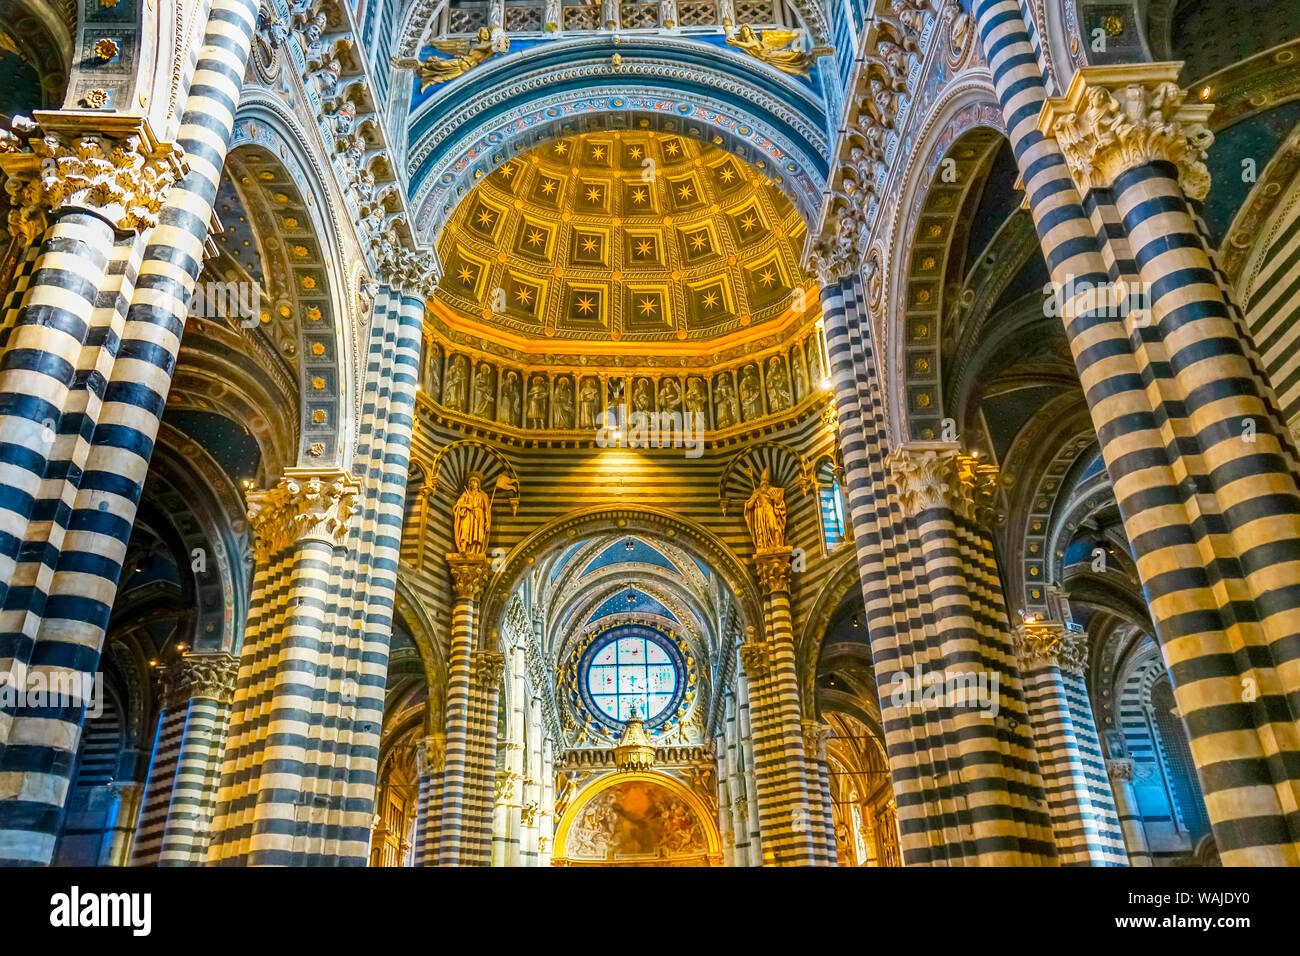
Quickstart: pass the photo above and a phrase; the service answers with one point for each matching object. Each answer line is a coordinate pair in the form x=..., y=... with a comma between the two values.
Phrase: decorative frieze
x=1116, y=118
x=1051, y=644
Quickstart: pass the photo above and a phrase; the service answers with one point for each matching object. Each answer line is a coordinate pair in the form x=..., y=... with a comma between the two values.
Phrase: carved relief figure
x=643, y=396
x=765, y=514
x=589, y=410
x=697, y=397
x=799, y=376
x=751, y=397
x=433, y=373
x=778, y=384
x=465, y=55
x=772, y=47
x=670, y=396
x=724, y=402
x=510, y=398
x=564, y=402
x=457, y=383
x=470, y=517
x=538, y=400
x=485, y=392
x=815, y=370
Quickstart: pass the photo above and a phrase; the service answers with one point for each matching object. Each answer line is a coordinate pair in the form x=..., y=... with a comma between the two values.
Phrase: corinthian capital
x=431, y=754
x=200, y=677
x=469, y=574
x=1116, y=118
x=755, y=659
x=773, y=570
x=1048, y=643
x=303, y=505
x=926, y=474
x=112, y=167
x=489, y=666
x=815, y=737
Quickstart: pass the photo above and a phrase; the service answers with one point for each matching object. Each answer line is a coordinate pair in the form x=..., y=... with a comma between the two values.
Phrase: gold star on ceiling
x=589, y=244
x=648, y=306
x=638, y=195
x=727, y=174
x=685, y=191
x=644, y=247
x=749, y=223
x=535, y=238
x=524, y=295
x=586, y=305
x=598, y=152
x=485, y=218
x=507, y=171
x=561, y=148
x=670, y=148
x=710, y=300
x=767, y=277
x=548, y=186
x=465, y=275
x=635, y=152
x=593, y=194
x=699, y=241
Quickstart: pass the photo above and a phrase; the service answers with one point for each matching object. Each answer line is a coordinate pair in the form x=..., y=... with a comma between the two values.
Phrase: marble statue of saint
x=470, y=518
x=778, y=384
x=670, y=396
x=456, y=383
x=643, y=398
x=800, y=376
x=564, y=403
x=765, y=514
x=697, y=396
x=484, y=400
x=537, y=401
x=433, y=373
x=724, y=401
x=510, y=398
x=751, y=399
x=589, y=410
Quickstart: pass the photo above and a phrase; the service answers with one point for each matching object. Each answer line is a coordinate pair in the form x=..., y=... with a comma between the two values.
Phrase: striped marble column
x=273, y=806
x=997, y=775
x=431, y=763
x=1084, y=819
x=747, y=809
x=1214, y=522
x=175, y=824
x=63, y=623
x=1120, y=772
x=815, y=737
x=481, y=763
x=469, y=575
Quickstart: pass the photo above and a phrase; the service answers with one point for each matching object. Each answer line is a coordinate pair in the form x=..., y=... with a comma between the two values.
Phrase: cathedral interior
x=640, y=433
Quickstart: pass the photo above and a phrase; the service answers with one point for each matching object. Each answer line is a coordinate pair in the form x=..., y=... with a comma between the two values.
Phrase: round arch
x=314, y=278
x=678, y=789
x=840, y=581
x=649, y=522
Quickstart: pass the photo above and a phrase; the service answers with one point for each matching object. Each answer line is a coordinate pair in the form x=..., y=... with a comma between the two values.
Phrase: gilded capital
x=1049, y=643
x=926, y=475
x=755, y=659
x=1116, y=118
x=200, y=677
x=113, y=168
x=303, y=505
x=977, y=484
x=469, y=574
x=773, y=570
x=815, y=737
x=489, y=667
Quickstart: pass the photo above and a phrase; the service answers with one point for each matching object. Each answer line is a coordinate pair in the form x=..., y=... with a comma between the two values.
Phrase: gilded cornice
x=1116, y=118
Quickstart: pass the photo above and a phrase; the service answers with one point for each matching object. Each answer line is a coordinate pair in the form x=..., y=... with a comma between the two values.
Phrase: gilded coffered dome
x=633, y=237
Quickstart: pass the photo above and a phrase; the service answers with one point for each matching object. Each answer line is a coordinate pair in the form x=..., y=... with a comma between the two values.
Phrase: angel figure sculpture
x=770, y=47
x=465, y=54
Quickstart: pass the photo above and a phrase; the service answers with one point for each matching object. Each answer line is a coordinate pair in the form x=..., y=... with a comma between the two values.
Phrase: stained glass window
x=631, y=674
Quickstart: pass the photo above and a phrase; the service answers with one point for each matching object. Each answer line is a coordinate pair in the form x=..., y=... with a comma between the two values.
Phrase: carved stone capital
x=1116, y=118
x=755, y=659
x=113, y=168
x=773, y=570
x=304, y=505
x=1048, y=643
x=926, y=474
x=815, y=737
x=489, y=667
x=1120, y=768
x=977, y=484
x=431, y=755
x=469, y=574
x=402, y=267
x=200, y=677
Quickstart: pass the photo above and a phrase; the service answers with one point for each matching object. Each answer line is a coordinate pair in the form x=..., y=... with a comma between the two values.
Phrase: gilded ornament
x=465, y=54
x=773, y=48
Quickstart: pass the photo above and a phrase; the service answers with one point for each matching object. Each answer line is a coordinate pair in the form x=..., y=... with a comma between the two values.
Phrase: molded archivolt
x=475, y=124
x=307, y=281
